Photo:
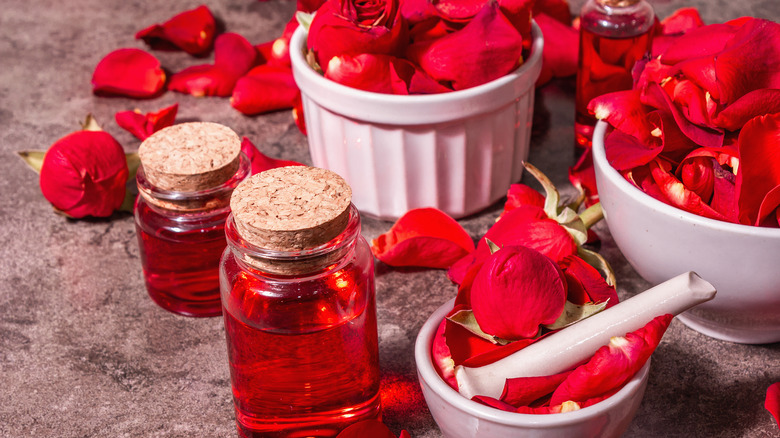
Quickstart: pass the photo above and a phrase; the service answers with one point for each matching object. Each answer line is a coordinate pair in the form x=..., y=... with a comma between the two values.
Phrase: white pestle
x=572, y=345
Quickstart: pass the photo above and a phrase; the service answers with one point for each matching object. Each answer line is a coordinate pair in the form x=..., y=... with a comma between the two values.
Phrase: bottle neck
x=294, y=263
x=195, y=204
x=617, y=18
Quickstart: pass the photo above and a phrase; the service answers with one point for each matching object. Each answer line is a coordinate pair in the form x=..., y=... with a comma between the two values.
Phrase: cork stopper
x=291, y=208
x=188, y=157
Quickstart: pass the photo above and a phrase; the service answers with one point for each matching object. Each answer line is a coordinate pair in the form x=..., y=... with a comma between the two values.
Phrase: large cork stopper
x=188, y=157
x=291, y=208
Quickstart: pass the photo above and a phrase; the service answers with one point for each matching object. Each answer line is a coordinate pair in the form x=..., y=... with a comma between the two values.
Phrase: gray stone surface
x=84, y=351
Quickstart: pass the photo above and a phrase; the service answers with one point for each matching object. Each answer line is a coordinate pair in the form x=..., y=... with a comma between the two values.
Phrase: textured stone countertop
x=83, y=350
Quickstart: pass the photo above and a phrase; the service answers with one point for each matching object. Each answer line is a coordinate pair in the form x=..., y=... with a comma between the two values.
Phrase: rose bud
x=84, y=174
x=348, y=27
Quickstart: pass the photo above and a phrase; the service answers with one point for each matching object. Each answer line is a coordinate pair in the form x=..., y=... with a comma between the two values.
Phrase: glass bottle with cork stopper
x=188, y=172
x=297, y=283
x=614, y=34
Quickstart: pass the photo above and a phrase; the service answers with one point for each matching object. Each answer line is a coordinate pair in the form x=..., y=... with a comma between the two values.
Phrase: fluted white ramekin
x=458, y=151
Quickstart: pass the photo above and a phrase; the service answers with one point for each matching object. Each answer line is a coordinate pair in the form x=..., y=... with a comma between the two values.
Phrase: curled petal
x=192, y=31
x=613, y=365
x=487, y=48
x=517, y=290
x=128, y=72
x=758, y=178
x=592, y=283
x=523, y=391
x=366, y=71
x=521, y=194
x=583, y=177
x=84, y=174
x=494, y=403
x=625, y=111
x=698, y=176
x=424, y=237
x=560, y=53
x=627, y=152
x=462, y=343
x=702, y=135
x=265, y=88
x=297, y=113
x=724, y=196
x=679, y=195
x=442, y=358
x=144, y=125
x=261, y=162
x=772, y=401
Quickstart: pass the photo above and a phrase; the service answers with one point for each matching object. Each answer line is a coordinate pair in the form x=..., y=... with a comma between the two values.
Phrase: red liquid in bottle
x=303, y=351
x=180, y=260
x=612, y=40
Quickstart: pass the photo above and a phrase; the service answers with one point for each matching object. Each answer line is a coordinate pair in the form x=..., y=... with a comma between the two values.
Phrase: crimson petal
x=463, y=344
x=261, y=162
x=758, y=177
x=487, y=48
x=772, y=402
x=679, y=195
x=128, y=72
x=625, y=111
x=521, y=194
x=144, y=125
x=494, y=403
x=627, y=152
x=594, y=285
x=517, y=290
x=366, y=71
x=424, y=237
x=366, y=428
x=612, y=365
x=192, y=31
x=560, y=53
x=442, y=357
x=523, y=391
x=682, y=20
x=264, y=89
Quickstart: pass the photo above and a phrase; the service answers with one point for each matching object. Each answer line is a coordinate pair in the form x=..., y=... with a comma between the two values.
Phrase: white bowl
x=661, y=241
x=457, y=151
x=459, y=417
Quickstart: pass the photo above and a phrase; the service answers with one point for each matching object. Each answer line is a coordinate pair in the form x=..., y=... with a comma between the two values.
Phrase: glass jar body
x=612, y=40
x=302, y=347
x=181, y=237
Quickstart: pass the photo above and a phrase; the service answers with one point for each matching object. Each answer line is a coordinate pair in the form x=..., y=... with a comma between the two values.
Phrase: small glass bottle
x=188, y=172
x=614, y=34
x=297, y=282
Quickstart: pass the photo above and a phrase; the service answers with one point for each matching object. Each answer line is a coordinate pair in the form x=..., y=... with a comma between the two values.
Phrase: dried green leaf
x=492, y=246
x=552, y=198
x=465, y=318
x=34, y=159
x=597, y=261
x=90, y=124
x=574, y=313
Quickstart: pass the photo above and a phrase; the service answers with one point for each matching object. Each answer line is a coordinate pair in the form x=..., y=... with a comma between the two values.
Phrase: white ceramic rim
x=413, y=109
x=422, y=356
x=614, y=177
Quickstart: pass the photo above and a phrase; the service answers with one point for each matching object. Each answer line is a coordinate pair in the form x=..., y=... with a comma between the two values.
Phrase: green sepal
x=34, y=159
x=133, y=163
x=551, y=198
x=90, y=124
x=574, y=313
x=492, y=246
x=304, y=19
x=570, y=220
x=466, y=319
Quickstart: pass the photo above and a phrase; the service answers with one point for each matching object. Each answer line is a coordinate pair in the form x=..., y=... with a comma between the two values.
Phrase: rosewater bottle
x=614, y=34
x=297, y=282
x=188, y=172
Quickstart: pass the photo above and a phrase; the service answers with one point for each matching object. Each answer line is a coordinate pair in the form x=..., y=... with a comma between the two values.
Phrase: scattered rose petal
x=233, y=58
x=424, y=237
x=560, y=53
x=192, y=31
x=517, y=290
x=682, y=20
x=772, y=402
x=128, y=72
x=366, y=428
x=521, y=194
x=613, y=365
x=523, y=391
x=583, y=177
x=264, y=89
x=261, y=162
x=84, y=174
x=144, y=125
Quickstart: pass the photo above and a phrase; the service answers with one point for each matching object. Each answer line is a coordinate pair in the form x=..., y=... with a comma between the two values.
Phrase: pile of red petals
x=257, y=78
x=529, y=276
x=700, y=130
x=417, y=47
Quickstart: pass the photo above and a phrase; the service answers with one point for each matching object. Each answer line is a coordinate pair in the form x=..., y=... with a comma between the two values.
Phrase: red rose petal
x=724, y=196
x=523, y=391
x=758, y=177
x=583, y=177
x=493, y=403
x=144, y=125
x=128, y=72
x=366, y=428
x=261, y=162
x=752, y=104
x=424, y=237
x=612, y=365
x=772, y=401
x=487, y=48
x=463, y=344
x=678, y=195
x=560, y=53
x=442, y=358
x=557, y=9
x=656, y=97
x=496, y=354
x=366, y=71
x=698, y=43
x=698, y=176
x=297, y=113
x=84, y=174
x=625, y=111
x=233, y=57
x=529, y=226
x=521, y=194
x=517, y=290
x=265, y=88
x=192, y=31
x=406, y=78
x=682, y=20
x=627, y=152
x=594, y=285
